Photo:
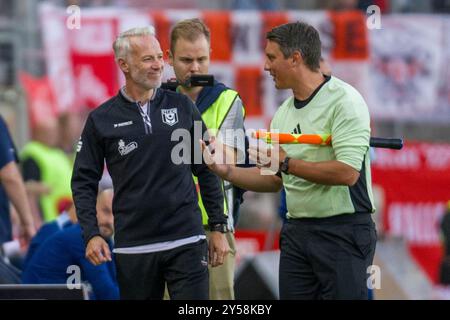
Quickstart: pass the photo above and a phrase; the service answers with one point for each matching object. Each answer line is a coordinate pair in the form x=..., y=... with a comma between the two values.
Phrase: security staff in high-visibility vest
x=47, y=170
x=221, y=109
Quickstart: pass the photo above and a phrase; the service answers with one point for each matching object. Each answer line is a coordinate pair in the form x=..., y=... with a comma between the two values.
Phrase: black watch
x=284, y=166
x=220, y=227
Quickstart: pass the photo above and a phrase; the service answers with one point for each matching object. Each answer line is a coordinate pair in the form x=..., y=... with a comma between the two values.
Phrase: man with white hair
x=159, y=236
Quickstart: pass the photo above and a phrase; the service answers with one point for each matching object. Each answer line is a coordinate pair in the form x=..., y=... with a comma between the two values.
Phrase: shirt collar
x=129, y=99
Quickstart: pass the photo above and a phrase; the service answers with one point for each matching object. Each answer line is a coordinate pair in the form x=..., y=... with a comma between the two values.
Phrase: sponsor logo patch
x=126, y=149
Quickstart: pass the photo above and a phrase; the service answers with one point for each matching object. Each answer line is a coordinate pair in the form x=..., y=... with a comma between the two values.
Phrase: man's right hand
x=215, y=159
x=97, y=251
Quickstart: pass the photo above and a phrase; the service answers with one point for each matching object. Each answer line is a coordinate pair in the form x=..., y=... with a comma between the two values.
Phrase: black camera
x=196, y=80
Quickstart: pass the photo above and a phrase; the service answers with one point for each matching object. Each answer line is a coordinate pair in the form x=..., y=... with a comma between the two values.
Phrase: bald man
x=65, y=248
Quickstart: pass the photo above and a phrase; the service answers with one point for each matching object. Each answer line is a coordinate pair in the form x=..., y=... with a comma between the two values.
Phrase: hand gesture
x=214, y=156
x=267, y=158
x=97, y=251
x=218, y=248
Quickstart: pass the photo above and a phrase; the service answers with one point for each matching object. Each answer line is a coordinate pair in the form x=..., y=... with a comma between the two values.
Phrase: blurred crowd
x=386, y=6
x=40, y=237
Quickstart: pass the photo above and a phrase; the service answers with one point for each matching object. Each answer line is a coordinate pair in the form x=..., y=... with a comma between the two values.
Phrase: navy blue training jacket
x=154, y=198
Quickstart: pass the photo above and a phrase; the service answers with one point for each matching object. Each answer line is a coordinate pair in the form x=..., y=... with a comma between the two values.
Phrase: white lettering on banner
x=131, y=19
x=321, y=21
x=437, y=156
x=407, y=83
x=90, y=87
x=94, y=38
x=416, y=222
x=174, y=15
x=409, y=158
x=246, y=37
x=413, y=86
x=246, y=247
x=222, y=73
x=56, y=45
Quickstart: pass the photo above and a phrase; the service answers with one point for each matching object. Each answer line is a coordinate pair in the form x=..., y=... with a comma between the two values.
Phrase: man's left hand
x=218, y=248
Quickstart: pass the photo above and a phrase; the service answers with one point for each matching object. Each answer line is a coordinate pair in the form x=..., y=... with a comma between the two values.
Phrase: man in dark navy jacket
x=141, y=133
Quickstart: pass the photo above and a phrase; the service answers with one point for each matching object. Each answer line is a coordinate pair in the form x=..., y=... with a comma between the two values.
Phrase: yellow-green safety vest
x=56, y=172
x=213, y=118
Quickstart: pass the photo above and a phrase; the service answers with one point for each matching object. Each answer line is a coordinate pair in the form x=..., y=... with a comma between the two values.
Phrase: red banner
x=248, y=84
x=413, y=189
x=251, y=242
x=162, y=29
x=92, y=57
x=40, y=99
x=219, y=24
x=350, y=34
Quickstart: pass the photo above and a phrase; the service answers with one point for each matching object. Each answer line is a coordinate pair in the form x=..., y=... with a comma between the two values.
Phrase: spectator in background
x=69, y=132
x=65, y=248
x=418, y=6
x=445, y=232
x=255, y=5
x=346, y=5
x=339, y=5
x=47, y=170
x=64, y=220
x=11, y=189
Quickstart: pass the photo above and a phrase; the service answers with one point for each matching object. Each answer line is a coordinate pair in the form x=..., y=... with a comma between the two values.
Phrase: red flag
x=219, y=23
x=40, y=98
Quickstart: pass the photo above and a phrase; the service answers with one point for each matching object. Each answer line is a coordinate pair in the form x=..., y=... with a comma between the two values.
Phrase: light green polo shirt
x=336, y=109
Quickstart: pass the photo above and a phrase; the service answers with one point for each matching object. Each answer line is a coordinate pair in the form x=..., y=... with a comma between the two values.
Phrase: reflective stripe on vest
x=56, y=171
x=214, y=117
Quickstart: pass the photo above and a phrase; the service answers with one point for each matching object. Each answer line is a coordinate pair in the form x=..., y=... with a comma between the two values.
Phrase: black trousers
x=185, y=269
x=444, y=275
x=326, y=258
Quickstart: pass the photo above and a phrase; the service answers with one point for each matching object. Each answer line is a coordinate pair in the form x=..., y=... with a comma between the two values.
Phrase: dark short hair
x=298, y=36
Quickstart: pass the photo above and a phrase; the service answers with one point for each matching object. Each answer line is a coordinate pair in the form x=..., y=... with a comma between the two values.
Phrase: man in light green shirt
x=328, y=241
x=336, y=109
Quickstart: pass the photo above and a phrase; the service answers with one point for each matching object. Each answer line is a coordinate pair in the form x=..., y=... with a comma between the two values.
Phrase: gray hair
x=121, y=45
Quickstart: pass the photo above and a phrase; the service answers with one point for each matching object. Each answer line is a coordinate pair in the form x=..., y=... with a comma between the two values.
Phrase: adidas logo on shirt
x=297, y=129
